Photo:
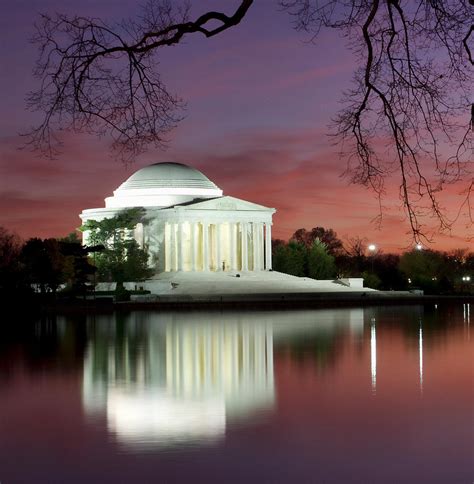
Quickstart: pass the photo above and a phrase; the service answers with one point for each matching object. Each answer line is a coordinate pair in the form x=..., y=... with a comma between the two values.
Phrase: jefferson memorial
x=189, y=225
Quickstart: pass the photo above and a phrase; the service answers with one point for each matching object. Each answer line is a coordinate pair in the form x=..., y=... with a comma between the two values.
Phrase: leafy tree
x=424, y=268
x=302, y=236
x=333, y=244
x=290, y=259
x=80, y=270
x=371, y=280
x=45, y=265
x=353, y=261
x=279, y=257
x=122, y=258
x=10, y=266
x=321, y=264
x=71, y=238
x=276, y=243
x=386, y=269
x=327, y=236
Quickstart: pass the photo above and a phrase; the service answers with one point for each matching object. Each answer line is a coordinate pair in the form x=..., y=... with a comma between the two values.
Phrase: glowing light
x=188, y=392
x=372, y=247
x=418, y=247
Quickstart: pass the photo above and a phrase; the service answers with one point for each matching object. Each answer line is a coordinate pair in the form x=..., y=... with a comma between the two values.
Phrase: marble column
x=205, y=246
x=180, y=247
x=194, y=245
x=218, y=247
x=172, y=247
x=261, y=258
x=233, y=246
x=268, y=246
x=255, y=247
x=166, y=245
x=245, y=256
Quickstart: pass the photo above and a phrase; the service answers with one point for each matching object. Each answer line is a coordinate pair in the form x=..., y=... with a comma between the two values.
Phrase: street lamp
x=372, y=248
x=466, y=280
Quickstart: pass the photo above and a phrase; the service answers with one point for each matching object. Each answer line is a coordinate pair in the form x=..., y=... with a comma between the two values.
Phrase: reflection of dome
x=152, y=418
x=163, y=185
x=176, y=383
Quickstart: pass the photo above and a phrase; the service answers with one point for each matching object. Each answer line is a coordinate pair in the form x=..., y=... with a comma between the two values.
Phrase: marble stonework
x=190, y=225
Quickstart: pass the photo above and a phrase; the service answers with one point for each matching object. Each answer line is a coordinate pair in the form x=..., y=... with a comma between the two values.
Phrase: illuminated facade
x=190, y=225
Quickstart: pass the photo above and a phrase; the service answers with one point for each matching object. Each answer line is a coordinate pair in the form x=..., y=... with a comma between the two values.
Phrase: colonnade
x=217, y=246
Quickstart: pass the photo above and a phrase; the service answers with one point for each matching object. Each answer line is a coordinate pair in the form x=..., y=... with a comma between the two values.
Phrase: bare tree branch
x=410, y=102
x=412, y=96
x=103, y=79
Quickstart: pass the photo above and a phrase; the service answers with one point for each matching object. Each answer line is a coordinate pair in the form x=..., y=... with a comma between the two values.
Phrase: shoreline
x=255, y=302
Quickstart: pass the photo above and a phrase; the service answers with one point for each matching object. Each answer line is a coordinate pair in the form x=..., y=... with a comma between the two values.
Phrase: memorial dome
x=163, y=185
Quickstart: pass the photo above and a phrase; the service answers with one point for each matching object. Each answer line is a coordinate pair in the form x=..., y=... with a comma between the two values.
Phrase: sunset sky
x=259, y=101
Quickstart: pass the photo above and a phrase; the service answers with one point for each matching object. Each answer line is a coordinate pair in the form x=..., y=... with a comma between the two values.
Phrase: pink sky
x=259, y=101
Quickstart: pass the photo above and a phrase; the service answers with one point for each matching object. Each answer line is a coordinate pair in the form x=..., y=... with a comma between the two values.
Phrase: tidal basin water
x=373, y=395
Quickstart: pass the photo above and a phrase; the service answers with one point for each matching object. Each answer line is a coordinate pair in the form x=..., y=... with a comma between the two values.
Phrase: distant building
x=190, y=225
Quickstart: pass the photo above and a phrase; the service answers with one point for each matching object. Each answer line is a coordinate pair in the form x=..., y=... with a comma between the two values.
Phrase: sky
x=260, y=99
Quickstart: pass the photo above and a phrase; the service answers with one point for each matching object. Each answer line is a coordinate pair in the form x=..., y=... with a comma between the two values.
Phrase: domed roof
x=167, y=175
x=163, y=185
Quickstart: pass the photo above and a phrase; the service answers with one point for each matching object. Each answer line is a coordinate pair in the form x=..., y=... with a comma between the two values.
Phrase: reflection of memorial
x=161, y=382
x=173, y=378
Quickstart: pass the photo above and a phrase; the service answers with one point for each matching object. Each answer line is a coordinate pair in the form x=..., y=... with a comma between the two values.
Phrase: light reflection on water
x=275, y=396
x=164, y=381
x=178, y=378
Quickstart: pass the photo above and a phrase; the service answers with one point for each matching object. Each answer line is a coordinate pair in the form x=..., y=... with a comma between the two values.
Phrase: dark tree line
x=43, y=266
x=320, y=254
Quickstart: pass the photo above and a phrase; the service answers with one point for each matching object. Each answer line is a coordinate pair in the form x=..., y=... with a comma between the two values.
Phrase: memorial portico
x=194, y=240
x=190, y=225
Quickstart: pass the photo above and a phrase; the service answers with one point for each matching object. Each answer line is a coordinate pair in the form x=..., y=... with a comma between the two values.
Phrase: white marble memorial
x=190, y=225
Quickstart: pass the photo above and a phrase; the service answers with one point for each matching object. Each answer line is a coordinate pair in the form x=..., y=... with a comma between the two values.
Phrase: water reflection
x=420, y=351
x=165, y=381
x=320, y=337
x=373, y=355
x=467, y=319
x=268, y=396
x=182, y=378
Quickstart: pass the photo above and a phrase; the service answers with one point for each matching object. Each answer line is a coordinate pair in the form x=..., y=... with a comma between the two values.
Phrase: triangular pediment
x=226, y=203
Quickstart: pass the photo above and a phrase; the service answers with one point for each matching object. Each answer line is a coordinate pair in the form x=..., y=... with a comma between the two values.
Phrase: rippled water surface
x=375, y=395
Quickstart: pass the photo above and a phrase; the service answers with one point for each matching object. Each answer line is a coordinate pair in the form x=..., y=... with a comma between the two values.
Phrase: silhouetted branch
x=104, y=79
x=412, y=93
x=411, y=98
